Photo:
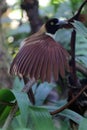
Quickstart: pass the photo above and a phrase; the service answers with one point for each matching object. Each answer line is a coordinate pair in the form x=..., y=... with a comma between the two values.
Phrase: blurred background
x=16, y=23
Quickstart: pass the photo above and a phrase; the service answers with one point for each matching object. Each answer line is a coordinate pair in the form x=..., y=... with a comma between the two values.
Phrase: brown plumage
x=41, y=57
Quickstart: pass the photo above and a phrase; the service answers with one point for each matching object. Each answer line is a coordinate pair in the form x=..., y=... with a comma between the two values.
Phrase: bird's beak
x=62, y=23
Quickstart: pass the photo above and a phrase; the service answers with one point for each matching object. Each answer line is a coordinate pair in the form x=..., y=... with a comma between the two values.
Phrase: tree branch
x=70, y=102
x=72, y=61
x=31, y=8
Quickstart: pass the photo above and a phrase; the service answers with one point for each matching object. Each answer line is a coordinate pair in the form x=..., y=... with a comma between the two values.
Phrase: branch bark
x=31, y=8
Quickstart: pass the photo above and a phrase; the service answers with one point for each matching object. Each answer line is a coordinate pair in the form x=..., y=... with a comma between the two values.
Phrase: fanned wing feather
x=31, y=60
x=40, y=63
x=42, y=58
x=44, y=67
x=65, y=59
x=35, y=60
x=49, y=66
x=24, y=59
x=61, y=64
x=55, y=63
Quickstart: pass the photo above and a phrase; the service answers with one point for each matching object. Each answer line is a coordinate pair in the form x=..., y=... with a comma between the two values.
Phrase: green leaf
x=18, y=84
x=64, y=125
x=80, y=28
x=83, y=124
x=42, y=92
x=4, y=114
x=6, y=95
x=72, y=115
x=41, y=119
x=81, y=38
x=67, y=113
x=22, y=129
x=38, y=119
x=23, y=103
x=82, y=59
x=81, y=45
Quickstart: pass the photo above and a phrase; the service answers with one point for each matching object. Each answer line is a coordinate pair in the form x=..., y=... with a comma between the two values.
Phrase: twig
x=7, y=103
x=70, y=102
x=73, y=64
x=30, y=92
x=76, y=16
x=10, y=117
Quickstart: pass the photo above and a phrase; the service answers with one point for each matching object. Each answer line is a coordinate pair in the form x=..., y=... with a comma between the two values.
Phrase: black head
x=53, y=25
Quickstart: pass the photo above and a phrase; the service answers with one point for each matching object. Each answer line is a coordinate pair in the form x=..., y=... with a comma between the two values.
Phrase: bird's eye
x=51, y=23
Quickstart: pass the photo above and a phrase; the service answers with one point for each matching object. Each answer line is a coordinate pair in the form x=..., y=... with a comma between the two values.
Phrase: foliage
x=83, y=124
x=81, y=42
x=30, y=116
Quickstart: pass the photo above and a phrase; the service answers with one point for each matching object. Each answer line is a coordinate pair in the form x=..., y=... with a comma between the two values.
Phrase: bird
x=40, y=56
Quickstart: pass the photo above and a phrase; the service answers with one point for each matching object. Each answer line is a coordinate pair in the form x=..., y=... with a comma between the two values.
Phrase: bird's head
x=54, y=24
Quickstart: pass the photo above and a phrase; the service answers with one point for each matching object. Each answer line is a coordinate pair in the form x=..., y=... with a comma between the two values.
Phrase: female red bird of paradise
x=40, y=56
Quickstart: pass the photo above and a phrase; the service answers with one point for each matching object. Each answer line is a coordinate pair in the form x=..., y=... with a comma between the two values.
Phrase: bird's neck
x=51, y=35
x=42, y=30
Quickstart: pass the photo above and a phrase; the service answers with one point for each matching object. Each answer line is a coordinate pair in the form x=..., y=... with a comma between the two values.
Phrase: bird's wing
x=41, y=58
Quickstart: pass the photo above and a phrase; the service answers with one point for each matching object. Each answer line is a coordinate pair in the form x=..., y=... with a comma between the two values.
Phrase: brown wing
x=41, y=58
